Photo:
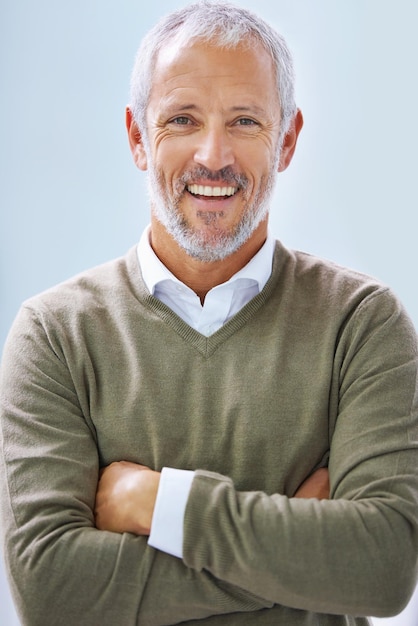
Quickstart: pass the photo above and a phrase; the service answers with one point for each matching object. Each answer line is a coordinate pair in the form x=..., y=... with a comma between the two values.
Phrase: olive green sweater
x=319, y=368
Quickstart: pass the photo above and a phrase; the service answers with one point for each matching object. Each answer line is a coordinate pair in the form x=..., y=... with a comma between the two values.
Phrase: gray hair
x=224, y=25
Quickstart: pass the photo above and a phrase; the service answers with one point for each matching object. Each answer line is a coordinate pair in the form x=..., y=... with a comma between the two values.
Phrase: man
x=168, y=418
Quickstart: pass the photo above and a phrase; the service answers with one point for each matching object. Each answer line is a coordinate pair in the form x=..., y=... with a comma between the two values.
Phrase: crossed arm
x=356, y=552
x=127, y=492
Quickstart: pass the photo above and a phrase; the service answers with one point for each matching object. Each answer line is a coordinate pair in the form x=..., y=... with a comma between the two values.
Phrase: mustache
x=225, y=175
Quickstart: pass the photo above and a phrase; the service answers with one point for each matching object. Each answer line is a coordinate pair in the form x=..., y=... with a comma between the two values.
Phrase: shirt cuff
x=170, y=505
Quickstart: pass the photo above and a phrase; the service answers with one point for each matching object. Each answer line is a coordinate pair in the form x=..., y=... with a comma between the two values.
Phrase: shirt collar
x=258, y=269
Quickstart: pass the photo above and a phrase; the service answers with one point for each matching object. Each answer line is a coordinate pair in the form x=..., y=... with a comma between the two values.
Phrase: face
x=211, y=146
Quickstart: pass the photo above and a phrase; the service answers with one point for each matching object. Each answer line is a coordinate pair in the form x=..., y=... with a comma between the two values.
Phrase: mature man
x=161, y=412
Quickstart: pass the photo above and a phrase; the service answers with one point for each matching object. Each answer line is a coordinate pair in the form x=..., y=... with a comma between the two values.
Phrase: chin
x=210, y=248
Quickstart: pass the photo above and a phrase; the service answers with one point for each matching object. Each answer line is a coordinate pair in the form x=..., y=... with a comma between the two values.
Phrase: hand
x=315, y=486
x=125, y=498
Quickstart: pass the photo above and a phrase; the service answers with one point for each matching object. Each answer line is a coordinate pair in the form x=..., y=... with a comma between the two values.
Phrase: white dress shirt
x=220, y=304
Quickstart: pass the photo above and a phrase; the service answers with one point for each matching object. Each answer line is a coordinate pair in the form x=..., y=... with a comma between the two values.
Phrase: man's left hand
x=125, y=498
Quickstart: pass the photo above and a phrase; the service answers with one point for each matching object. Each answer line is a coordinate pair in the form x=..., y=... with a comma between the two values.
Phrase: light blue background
x=71, y=197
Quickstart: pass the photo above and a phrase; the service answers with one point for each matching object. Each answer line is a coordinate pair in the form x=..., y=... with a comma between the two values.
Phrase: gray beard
x=219, y=244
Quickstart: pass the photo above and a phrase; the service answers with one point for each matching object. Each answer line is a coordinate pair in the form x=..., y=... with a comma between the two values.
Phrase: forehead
x=200, y=67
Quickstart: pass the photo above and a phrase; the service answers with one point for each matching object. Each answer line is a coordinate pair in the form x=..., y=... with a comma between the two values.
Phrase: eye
x=181, y=120
x=246, y=121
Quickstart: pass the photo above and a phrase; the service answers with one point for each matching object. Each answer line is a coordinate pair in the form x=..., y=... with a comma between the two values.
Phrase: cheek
x=257, y=160
x=175, y=154
x=166, y=164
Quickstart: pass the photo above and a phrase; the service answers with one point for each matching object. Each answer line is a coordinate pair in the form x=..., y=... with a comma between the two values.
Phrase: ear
x=135, y=141
x=289, y=142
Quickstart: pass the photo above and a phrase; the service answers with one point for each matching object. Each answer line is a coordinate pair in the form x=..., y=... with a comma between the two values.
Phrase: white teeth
x=205, y=190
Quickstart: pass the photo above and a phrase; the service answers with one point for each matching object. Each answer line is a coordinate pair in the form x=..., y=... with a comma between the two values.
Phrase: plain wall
x=70, y=196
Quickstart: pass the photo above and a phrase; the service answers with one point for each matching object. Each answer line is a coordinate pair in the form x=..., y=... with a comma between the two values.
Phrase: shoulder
x=320, y=277
x=85, y=300
x=324, y=289
x=100, y=284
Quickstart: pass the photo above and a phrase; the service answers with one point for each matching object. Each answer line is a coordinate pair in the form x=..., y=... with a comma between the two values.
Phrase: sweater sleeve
x=62, y=570
x=357, y=552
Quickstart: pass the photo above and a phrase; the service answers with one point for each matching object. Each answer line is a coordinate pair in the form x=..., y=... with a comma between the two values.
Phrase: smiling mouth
x=210, y=192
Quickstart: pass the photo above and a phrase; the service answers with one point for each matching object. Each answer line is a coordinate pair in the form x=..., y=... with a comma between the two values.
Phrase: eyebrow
x=249, y=109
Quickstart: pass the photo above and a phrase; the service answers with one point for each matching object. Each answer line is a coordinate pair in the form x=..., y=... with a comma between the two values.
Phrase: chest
x=253, y=411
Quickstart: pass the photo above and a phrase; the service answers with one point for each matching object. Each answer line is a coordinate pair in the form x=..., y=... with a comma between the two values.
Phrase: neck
x=202, y=276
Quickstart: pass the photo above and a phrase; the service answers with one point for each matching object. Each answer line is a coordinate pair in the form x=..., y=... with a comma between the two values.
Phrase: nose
x=214, y=150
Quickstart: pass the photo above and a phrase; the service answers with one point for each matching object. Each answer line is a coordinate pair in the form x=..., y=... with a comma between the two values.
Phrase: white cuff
x=167, y=521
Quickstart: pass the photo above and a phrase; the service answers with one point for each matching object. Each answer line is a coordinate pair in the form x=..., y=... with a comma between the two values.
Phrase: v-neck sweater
x=320, y=368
